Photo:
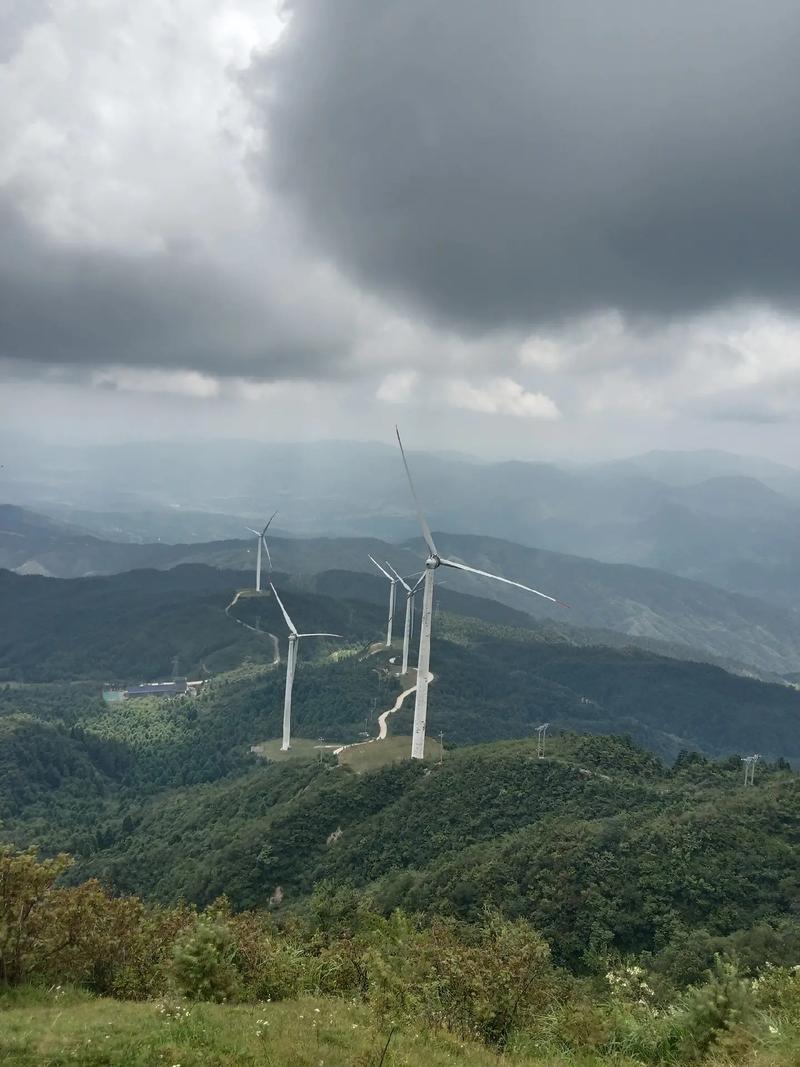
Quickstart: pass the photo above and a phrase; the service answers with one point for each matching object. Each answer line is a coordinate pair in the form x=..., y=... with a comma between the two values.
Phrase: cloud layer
x=517, y=164
x=546, y=211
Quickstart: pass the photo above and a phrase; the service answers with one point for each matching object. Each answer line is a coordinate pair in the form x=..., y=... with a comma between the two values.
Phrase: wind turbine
x=392, y=593
x=291, y=660
x=262, y=540
x=410, y=593
x=434, y=561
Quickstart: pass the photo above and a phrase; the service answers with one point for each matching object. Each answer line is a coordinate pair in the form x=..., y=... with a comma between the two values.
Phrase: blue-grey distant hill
x=721, y=518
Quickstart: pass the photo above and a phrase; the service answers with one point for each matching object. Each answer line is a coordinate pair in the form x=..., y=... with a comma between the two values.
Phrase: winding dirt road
x=276, y=653
x=383, y=724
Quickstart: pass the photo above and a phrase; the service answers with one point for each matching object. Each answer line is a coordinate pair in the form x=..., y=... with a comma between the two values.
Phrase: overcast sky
x=528, y=228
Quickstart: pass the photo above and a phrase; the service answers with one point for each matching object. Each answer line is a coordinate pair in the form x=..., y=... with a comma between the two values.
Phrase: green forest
x=631, y=849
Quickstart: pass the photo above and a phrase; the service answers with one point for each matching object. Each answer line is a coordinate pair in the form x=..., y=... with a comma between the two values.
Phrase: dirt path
x=383, y=725
x=276, y=653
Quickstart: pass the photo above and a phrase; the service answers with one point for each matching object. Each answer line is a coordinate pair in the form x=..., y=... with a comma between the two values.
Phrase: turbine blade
x=497, y=578
x=419, y=583
x=321, y=635
x=426, y=530
x=250, y=528
x=289, y=623
x=264, y=539
x=401, y=580
x=380, y=568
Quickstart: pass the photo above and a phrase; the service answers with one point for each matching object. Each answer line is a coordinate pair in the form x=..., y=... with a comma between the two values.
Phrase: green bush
x=714, y=1013
x=202, y=961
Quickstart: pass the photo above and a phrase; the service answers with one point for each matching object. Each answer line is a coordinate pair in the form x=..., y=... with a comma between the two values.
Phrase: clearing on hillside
x=373, y=754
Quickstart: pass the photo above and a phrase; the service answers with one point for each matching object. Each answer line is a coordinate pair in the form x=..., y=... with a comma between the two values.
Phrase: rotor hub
x=433, y=561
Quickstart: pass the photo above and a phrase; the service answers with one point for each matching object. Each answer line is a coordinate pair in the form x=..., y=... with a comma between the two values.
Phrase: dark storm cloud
x=514, y=162
x=83, y=308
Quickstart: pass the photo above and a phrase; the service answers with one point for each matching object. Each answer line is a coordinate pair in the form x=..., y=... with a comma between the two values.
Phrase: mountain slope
x=727, y=519
x=634, y=600
x=490, y=683
x=598, y=845
x=637, y=601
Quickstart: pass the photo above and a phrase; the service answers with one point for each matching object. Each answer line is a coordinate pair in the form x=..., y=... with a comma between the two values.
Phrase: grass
x=302, y=748
x=377, y=754
x=54, y=1028
x=41, y=1029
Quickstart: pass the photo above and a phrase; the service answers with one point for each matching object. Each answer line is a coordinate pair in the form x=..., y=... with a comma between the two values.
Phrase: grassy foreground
x=51, y=1028
x=48, y=1029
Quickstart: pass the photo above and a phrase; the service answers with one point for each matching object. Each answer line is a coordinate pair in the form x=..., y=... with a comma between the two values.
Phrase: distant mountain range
x=721, y=518
x=643, y=604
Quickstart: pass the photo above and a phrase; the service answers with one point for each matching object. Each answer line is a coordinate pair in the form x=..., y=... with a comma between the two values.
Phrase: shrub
x=202, y=961
x=26, y=889
x=714, y=1013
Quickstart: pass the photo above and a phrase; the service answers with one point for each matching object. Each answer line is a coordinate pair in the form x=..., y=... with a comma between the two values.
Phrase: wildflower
x=773, y=1029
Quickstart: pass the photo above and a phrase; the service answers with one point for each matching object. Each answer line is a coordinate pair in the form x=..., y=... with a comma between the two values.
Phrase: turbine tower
x=392, y=594
x=750, y=768
x=542, y=732
x=262, y=540
x=434, y=561
x=291, y=660
x=409, y=620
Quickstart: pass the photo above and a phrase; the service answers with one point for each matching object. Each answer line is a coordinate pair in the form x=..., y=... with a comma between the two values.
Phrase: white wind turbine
x=262, y=540
x=392, y=595
x=291, y=660
x=410, y=594
x=433, y=561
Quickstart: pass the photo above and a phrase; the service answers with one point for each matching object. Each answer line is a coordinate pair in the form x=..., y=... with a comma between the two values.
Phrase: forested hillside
x=598, y=851
x=639, y=602
x=598, y=845
x=167, y=798
x=130, y=626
